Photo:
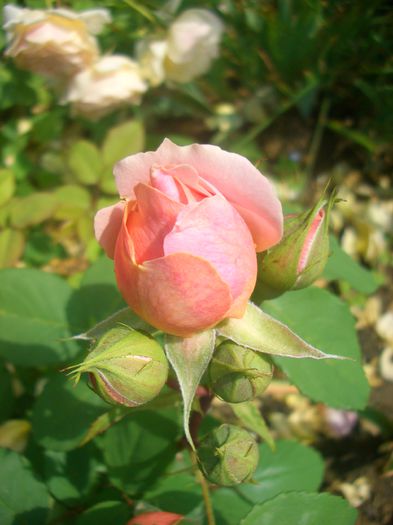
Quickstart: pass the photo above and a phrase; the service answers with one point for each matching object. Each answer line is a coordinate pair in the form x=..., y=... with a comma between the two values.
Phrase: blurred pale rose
x=187, y=51
x=54, y=43
x=113, y=81
x=185, y=234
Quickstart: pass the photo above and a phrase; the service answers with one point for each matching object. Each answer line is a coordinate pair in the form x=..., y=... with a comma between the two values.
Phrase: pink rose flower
x=156, y=518
x=184, y=237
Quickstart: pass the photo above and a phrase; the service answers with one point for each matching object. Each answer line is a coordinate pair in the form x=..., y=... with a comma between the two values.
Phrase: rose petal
x=239, y=181
x=180, y=294
x=231, y=174
x=107, y=224
x=153, y=217
x=214, y=231
x=132, y=170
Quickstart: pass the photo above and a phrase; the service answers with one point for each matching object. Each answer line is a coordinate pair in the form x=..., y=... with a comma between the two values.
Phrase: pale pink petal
x=308, y=243
x=231, y=174
x=161, y=180
x=180, y=294
x=238, y=180
x=213, y=230
x=132, y=170
x=148, y=222
x=107, y=223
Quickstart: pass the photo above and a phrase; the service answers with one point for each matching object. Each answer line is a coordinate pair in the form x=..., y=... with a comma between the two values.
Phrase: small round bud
x=125, y=367
x=228, y=455
x=238, y=374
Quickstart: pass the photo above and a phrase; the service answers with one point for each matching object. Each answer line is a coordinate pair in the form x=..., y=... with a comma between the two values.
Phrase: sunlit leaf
x=304, y=508
x=11, y=247
x=85, y=162
x=31, y=210
x=326, y=322
x=262, y=333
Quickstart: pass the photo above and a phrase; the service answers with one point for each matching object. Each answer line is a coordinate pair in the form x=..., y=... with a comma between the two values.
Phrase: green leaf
x=12, y=243
x=72, y=202
x=32, y=210
x=104, y=513
x=189, y=357
x=85, y=162
x=7, y=185
x=126, y=139
x=325, y=321
x=123, y=140
x=177, y=489
x=260, y=332
x=33, y=318
x=96, y=299
x=23, y=499
x=252, y=419
x=354, y=135
x=340, y=266
x=63, y=413
x=291, y=466
x=71, y=476
x=179, y=493
x=300, y=507
x=117, y=413
x=139, y=448
x=6, y=393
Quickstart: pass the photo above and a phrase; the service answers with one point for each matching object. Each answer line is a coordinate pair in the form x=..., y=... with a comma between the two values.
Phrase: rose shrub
x=185, y=234
x=54, y=42
x=111, y=82
x=187, y=50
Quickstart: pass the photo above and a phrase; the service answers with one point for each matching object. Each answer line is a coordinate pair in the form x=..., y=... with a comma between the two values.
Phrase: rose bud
x=185, y=235
x=112, y=82
x=54, y=42
x=125, y=367
x=301, y=256
x=156, y=518
x=238, y=374
x=228, y=455
x=187, y=51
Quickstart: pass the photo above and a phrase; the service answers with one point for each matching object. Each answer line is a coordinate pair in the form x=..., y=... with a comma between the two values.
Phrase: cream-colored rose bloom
x=54, y=43
x=151, y=54
x=113, y=81
x=187, y=52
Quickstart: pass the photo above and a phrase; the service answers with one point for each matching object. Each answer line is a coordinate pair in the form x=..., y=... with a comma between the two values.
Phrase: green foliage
x=341, y=266
x=104, y=513
x=279, y=471
x=23, y=498
x=11, y=247
x=139, y=448
x=71, y=476
x=59, y=404
x=33, y=318
x=300, y=507
x=326, y=322
x=84, y=162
